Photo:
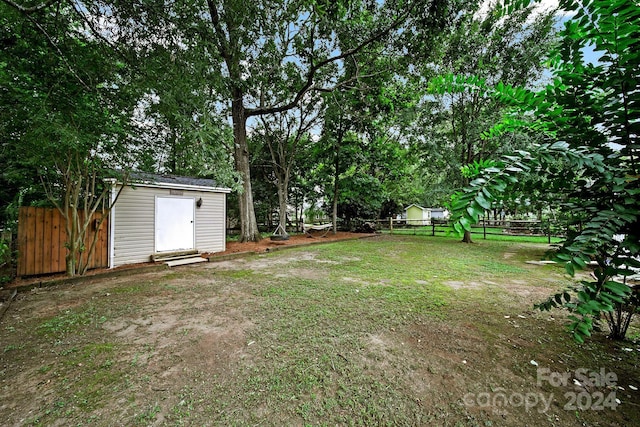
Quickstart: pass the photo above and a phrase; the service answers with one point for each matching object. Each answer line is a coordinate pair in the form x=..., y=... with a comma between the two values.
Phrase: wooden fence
x=41, y=242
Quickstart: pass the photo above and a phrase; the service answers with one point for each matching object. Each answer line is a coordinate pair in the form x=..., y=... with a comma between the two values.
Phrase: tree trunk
x=334, y=209
x=282, y=202
x=248, y=224
x=71, y=223
x=467, y=237
x=336, y=187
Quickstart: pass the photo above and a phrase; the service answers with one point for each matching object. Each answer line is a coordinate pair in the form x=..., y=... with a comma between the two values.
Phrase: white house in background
x=439, y=213
x=417, y=215
x=157, y=214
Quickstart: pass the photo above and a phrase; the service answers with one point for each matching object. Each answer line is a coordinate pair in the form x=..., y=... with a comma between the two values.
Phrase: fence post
x=433, y=228
x=549, y=231
x=390, y=225
x=484, y=228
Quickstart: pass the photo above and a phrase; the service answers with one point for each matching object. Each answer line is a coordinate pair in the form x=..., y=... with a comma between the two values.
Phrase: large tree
x=181, y=130
x=363, y=161
x=283, y=134
x=362, y=155
x=274, y=53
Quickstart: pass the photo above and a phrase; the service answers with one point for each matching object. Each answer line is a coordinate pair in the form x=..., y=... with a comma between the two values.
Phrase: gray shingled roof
x=141, y=177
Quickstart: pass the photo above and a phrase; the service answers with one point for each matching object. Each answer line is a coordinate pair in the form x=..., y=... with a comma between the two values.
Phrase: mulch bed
x=294, y=240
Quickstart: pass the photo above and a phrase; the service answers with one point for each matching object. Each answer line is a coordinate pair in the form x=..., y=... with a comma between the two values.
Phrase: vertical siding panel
x=134, y=234
x=41, y=242
x=96, y=261
x=58, y=250
x=210, y=223
x=134, y=226
x=63, y=243
x=99, y=256
x=91, y=231
x=87, y=237
x=107, y=236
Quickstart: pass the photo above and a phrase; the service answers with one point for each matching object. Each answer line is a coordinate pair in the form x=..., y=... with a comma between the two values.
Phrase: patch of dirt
x=265, y=245
x=46, y=278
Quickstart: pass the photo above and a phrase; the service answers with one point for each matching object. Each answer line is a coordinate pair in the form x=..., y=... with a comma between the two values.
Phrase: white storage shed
x=157, y=214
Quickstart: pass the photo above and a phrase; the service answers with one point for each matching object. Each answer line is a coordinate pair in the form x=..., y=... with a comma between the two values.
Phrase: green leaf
x=482, y=201
x=570, y=269
x=578, y=338
x=617, y=288
x=458, y=228
x=583, y=329
x=579, y=262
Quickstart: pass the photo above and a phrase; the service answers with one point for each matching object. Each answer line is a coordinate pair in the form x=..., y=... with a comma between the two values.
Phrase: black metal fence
x=485, y=228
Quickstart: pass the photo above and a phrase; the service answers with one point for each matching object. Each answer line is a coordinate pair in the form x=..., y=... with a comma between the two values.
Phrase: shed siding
x=134, y=223
x=210, y=222
x=418, y=216
x=414, y=215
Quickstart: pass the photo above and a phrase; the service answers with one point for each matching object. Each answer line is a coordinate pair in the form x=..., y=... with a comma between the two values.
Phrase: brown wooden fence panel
x=42, y=237
x=47, y=233
x=40, y=240
x=58, y=251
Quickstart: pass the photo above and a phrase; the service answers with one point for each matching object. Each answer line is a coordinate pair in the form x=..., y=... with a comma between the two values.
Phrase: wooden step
x=186, y=261
x=175, y=258
x=166, y=256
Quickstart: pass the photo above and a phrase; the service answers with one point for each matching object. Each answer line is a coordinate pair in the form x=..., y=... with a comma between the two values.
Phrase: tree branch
x=316, y=67
x=219, y=33
x=32, y=9
x=75, y=6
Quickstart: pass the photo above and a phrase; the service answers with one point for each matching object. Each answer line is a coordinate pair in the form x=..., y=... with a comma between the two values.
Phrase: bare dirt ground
x=307, y=337
x=265, y=245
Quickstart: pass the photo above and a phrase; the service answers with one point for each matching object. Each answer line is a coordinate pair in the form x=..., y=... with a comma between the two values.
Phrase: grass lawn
x=391, y=330
x=476, y=233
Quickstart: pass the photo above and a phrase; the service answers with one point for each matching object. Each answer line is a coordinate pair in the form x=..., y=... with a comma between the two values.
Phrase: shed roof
x=144, y=179
x=417, y=206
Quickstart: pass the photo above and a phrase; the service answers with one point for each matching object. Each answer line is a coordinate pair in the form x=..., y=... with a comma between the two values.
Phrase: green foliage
x=6, y=270
x=482, y=51
x=5, y=252
x=71, y=121
x=589, y=117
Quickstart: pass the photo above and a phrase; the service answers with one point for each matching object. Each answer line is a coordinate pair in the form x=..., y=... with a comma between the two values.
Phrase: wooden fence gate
x=42, y=237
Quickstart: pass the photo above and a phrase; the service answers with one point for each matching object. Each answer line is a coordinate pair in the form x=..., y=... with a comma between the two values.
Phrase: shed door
x=174, y=224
